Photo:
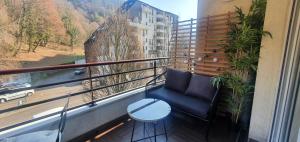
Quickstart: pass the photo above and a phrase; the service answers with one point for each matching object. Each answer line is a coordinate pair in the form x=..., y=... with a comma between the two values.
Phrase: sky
x=185, y=9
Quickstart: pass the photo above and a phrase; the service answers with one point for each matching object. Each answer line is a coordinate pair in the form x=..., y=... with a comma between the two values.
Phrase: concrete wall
x=214, y=7
x=269, y=68
x=83, y=119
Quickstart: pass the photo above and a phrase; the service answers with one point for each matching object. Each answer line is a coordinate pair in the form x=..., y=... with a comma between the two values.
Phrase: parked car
x=5, y=94
x=79, y=71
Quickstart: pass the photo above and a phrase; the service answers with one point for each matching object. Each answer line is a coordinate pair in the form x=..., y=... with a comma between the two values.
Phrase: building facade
x=155, y=28
x=151, y=26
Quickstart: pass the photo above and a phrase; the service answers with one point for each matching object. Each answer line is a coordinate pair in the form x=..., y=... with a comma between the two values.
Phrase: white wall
x=269, y=69
x=215, y=7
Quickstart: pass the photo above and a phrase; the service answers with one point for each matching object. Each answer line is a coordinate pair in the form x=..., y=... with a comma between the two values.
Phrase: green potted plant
x=242, y=50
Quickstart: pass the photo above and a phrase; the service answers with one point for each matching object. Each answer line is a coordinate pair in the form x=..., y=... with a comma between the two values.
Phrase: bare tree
x=32, y=27
x=116, y=41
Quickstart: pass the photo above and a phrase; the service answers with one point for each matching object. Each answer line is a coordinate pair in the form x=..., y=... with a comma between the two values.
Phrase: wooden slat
x=206, y=73
x=213, y=65
x=211, y=32
x=213, y=29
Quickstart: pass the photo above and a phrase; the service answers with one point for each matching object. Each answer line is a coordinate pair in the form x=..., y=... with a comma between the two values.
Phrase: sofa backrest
x=200, y=86
x=177, y=80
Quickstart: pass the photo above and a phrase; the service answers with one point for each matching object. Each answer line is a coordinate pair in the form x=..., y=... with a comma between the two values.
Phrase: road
x=22, y=115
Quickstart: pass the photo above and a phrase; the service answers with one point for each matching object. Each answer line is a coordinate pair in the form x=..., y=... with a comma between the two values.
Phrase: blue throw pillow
x=177, y=80
x=201, y=87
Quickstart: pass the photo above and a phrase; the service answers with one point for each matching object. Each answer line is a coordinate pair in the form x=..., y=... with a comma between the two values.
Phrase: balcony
x=160, y=31
x=160, y=47
x=160, y=15
x=152, y=51
x=160, y=22
x=101, y=117
x=98, y=107
x=160, y=37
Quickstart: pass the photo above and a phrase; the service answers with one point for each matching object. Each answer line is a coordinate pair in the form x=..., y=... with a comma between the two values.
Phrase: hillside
x=95, y=10
x=32, y=26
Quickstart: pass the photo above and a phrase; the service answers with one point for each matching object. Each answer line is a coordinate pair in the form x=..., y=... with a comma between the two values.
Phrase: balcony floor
x=180, y=128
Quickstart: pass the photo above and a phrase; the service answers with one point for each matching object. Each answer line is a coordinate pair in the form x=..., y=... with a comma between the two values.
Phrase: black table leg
x=132, y=131
x=165, y=130
x=144, y=129
x=149, y=137
x=154, y=125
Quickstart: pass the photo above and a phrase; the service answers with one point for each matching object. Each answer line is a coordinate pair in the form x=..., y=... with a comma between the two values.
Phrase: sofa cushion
x=195, y=106
x=201, y=87
x=177, y=80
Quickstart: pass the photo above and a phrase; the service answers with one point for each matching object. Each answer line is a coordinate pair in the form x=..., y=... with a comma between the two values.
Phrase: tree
x=32, y=26
x=71, y=30
x=115, y=41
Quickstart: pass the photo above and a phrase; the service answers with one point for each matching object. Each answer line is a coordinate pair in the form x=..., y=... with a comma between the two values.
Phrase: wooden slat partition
x=195, y=44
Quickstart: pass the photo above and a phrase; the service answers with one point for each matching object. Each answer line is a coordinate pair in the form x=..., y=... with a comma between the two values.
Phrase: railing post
x=190, y=46
x=154, y=70
x=176, y=44
x=91, y=87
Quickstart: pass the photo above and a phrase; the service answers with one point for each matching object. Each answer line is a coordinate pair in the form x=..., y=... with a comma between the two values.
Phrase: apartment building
x=155, y=26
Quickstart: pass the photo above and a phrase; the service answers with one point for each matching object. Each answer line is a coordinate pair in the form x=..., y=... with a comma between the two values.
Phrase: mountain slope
x=85, y=15
x=95, y=10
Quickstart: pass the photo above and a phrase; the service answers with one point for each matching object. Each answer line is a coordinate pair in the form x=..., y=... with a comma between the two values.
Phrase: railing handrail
x=90, y=78
x=58, y=67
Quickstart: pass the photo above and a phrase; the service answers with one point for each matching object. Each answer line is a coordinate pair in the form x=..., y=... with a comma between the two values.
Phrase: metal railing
x=155, y=65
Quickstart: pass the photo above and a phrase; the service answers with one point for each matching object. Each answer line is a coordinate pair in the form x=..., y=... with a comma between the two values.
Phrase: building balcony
x=152, y=51
x=160, y=31
x=159, y=44
x=160, y=38
x=160, y=15
x=161, y=23
x=91, y=117
x=160, y=47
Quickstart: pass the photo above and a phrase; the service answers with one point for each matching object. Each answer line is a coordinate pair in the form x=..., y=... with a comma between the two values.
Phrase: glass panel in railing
x=35, y=112
x=24, y=95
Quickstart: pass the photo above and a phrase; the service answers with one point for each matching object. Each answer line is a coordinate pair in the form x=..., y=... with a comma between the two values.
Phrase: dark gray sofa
x=188, y=93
